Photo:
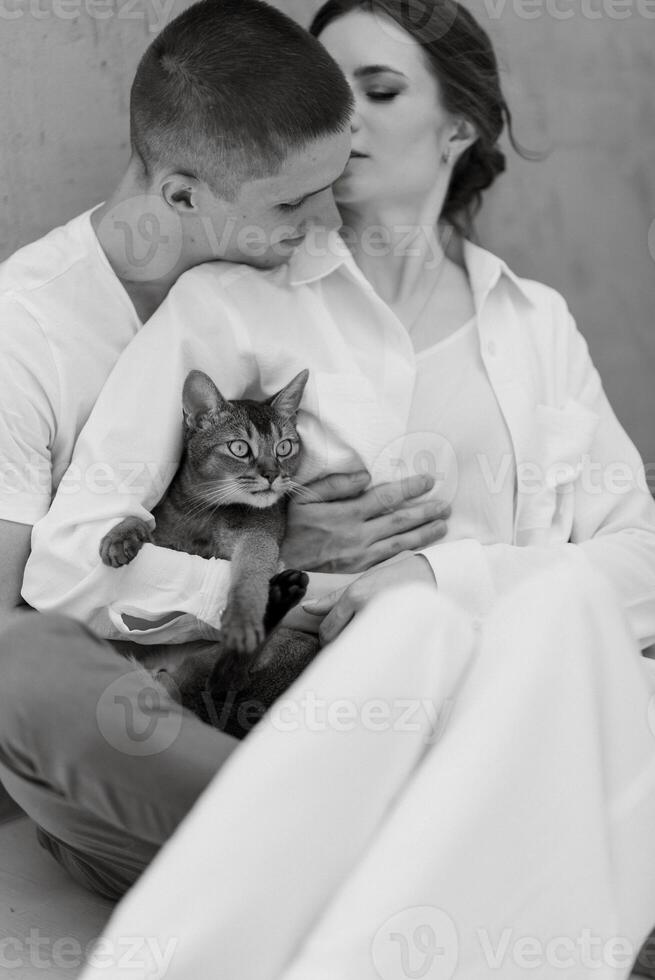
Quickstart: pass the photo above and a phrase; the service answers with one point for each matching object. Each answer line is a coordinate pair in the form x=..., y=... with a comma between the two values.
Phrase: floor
x=46, y=920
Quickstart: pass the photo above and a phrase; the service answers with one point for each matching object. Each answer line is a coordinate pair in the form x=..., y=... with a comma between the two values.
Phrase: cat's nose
x=269, y=475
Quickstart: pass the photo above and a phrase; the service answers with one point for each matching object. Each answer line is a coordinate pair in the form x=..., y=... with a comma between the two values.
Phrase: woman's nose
x=355, y=120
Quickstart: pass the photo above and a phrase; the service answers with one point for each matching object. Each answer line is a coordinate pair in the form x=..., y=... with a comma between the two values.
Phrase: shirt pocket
x=346, y=424
x=562, y=438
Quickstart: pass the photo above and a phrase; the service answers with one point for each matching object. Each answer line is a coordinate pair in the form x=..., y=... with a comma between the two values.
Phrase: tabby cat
x=228, y=499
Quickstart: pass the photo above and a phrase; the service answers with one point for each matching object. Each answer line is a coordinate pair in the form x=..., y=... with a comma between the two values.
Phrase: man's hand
x=339, y=526
x=340, y=606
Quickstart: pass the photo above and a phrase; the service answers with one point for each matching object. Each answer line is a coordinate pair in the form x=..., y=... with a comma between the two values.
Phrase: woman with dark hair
x=508, y=413
x=456, y=52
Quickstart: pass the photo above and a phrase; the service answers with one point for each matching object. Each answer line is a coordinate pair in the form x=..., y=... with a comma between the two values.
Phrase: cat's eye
x=284, y=448
x=239, y=448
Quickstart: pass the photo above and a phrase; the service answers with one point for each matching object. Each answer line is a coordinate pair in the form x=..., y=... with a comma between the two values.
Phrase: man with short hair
x=236, y=115
x=239, y=127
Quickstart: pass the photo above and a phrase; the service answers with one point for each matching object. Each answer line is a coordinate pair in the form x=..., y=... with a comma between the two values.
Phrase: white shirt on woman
x=579, y=479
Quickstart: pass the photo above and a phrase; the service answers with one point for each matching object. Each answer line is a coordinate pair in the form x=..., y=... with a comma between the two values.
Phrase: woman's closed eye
x=379, y=95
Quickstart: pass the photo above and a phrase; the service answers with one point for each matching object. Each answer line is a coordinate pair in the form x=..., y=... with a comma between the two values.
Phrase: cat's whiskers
x=220, y=494
x=206, y=507
x=209, y=486
x=216, y=498
x=300, y=490
x=200, y=507
x=217, y=493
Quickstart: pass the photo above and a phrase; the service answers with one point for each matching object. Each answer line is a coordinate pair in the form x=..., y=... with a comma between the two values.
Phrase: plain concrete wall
x=581, y=86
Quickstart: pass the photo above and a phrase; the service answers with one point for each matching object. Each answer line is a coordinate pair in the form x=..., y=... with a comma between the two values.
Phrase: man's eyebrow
x=376, y=70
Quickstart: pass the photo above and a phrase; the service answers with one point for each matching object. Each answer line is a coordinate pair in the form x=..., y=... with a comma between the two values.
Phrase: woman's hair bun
x=476, y=169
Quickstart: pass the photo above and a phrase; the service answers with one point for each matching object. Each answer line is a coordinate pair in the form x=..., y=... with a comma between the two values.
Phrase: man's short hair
x=228, y=89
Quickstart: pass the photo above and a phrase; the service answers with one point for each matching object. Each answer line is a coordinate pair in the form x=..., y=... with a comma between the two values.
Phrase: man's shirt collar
x=318, y=256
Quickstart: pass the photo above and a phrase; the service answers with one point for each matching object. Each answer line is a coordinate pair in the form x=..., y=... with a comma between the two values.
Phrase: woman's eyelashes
x=378, y=95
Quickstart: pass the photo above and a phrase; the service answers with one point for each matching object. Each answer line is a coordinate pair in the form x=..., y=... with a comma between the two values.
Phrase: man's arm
x=124, y=460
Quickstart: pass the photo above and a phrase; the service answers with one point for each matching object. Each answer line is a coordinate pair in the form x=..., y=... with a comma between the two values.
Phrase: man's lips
x=293, y=241
x=356, y=155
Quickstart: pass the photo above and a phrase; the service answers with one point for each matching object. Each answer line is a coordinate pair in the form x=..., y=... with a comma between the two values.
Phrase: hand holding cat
x=343, y=527
x=340, y=606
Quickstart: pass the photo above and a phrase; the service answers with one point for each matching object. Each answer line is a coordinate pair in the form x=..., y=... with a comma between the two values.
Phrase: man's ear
x=181, y=192
x=463, y=135
x=201, y=401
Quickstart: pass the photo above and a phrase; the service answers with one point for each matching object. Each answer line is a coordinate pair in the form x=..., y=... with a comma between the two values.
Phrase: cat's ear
x=201, y=400
x=287, y=401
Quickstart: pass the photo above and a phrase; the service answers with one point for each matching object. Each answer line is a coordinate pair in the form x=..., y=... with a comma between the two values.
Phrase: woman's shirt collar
x=323, y=252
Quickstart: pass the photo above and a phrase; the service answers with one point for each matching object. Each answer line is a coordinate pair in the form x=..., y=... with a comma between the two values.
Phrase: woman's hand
x=340, y=606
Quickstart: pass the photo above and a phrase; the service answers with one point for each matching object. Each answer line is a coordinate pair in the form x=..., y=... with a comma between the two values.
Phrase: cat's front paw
x=241, y=634
x=241, y=637
x=120, y=545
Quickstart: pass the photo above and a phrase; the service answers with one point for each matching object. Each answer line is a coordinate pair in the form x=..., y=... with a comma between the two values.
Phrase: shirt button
x=491, y=348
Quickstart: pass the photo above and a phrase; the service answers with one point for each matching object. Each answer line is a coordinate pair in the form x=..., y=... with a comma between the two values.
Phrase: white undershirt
x=458, y=430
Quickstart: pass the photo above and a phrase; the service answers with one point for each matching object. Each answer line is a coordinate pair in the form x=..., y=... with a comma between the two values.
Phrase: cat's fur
x=228, y=500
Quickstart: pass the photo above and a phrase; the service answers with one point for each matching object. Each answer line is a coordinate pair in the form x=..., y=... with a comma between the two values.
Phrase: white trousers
x=430, y=801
